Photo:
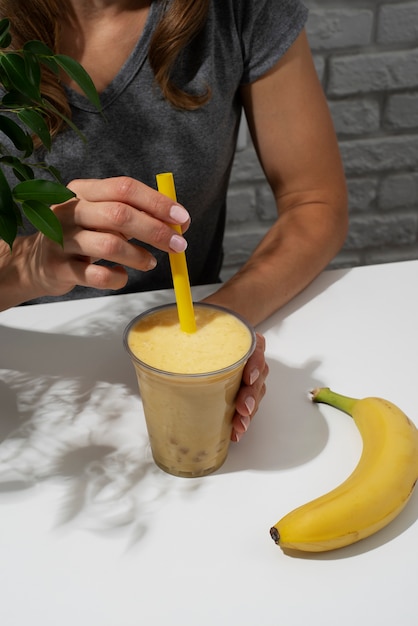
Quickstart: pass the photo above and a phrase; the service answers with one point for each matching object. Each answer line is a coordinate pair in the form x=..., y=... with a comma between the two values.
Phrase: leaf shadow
x=75, y=420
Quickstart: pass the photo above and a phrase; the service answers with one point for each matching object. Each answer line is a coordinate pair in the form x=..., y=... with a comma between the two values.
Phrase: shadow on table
x=70, y=414
x=288, y=429
x=77, y=423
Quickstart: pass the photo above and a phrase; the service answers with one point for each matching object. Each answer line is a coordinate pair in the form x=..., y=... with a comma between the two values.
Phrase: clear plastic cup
x=189, y=407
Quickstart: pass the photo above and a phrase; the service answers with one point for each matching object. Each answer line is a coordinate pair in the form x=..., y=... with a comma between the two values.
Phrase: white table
x=93, y=534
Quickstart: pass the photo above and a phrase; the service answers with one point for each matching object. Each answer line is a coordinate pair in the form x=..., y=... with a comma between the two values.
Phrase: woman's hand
x=100, y=224
x=252, y=390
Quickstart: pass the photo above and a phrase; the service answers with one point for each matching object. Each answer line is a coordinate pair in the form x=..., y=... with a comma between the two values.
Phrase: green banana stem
x=326, y=396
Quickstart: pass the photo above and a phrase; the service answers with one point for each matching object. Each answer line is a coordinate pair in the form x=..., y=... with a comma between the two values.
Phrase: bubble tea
x=188, y=383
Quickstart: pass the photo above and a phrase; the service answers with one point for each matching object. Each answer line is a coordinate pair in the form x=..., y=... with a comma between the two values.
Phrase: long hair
x=180, y=23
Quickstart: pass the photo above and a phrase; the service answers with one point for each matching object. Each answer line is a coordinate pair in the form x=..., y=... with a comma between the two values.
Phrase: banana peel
x=376, y=491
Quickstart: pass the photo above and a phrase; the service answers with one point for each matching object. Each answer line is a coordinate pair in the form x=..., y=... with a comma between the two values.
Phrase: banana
x=376, y=491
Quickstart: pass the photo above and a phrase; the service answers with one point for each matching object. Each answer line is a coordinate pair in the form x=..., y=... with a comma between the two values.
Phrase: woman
x=174, y=77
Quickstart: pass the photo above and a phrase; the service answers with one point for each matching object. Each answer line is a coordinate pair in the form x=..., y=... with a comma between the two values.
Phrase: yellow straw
x=165, y=184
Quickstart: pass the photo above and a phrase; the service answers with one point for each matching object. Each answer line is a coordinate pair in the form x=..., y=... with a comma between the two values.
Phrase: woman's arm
x=295, y=141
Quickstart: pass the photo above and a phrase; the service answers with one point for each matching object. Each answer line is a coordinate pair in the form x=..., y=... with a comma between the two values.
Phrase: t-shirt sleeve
x=269, y=27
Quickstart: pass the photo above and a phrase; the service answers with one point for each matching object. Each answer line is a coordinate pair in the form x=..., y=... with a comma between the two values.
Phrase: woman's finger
x=121, y=219
x=251, y=392
x=110, y=246
x=131, y=192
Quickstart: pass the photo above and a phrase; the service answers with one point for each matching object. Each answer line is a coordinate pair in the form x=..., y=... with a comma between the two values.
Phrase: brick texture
x=366, y=56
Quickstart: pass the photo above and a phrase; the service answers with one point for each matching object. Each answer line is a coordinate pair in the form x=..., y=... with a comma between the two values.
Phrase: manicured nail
x=237, y=436
x=178, y=214
x=254, y=376
x=250, y=404
x=245, y=421
x=178, y=243
x=152, y=263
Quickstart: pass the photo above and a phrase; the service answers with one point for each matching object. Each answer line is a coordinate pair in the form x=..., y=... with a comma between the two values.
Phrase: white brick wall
x=366, y=55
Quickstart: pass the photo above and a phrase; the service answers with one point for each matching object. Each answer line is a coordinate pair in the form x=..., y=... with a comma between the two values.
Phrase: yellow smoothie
x=188, y=384
x=220, y=340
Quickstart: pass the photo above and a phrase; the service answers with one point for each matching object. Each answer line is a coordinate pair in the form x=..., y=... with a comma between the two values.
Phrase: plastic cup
x=189, y=406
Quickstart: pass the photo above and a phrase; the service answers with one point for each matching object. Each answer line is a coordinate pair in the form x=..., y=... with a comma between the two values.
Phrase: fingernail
x=178, y=243
x=237, y=436
x=178, y=214
x=152, y=263
x=245, y=421
x=250, y=404
x=254, y=376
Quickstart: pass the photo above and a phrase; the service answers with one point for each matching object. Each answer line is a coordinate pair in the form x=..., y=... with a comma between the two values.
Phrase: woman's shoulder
x=247, y=11
x=263, y=30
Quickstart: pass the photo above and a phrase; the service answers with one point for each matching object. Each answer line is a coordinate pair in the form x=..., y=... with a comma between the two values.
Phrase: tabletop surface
x=92, y=533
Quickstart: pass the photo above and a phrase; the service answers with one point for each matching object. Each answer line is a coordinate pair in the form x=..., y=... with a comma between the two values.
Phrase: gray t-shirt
x=140, y=134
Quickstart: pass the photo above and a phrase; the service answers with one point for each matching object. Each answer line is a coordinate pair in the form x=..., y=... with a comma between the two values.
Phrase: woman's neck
x=94, y=8
x=102, y=36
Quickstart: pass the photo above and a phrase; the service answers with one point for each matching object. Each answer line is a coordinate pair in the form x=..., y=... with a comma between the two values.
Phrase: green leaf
x=4, y=26
x=8, y=221
x=81, y=77
x=33, y=69
x=5, y=40
x=18, y=214
x=14, y=100
x=41, y=190
x=44, y=219
x=20, y=76
x=54, y=172
x=5, y=36
x=21, y=170
x=43, y=53
x=51, y=64
x=37, y=124
x=38, y=47
x=21, y=140
x=14, y=66
x=8, y=228
x=4, y=80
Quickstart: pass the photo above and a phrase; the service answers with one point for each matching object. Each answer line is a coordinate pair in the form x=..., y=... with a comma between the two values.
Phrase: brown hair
x=180, y=23
x=179, y=26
